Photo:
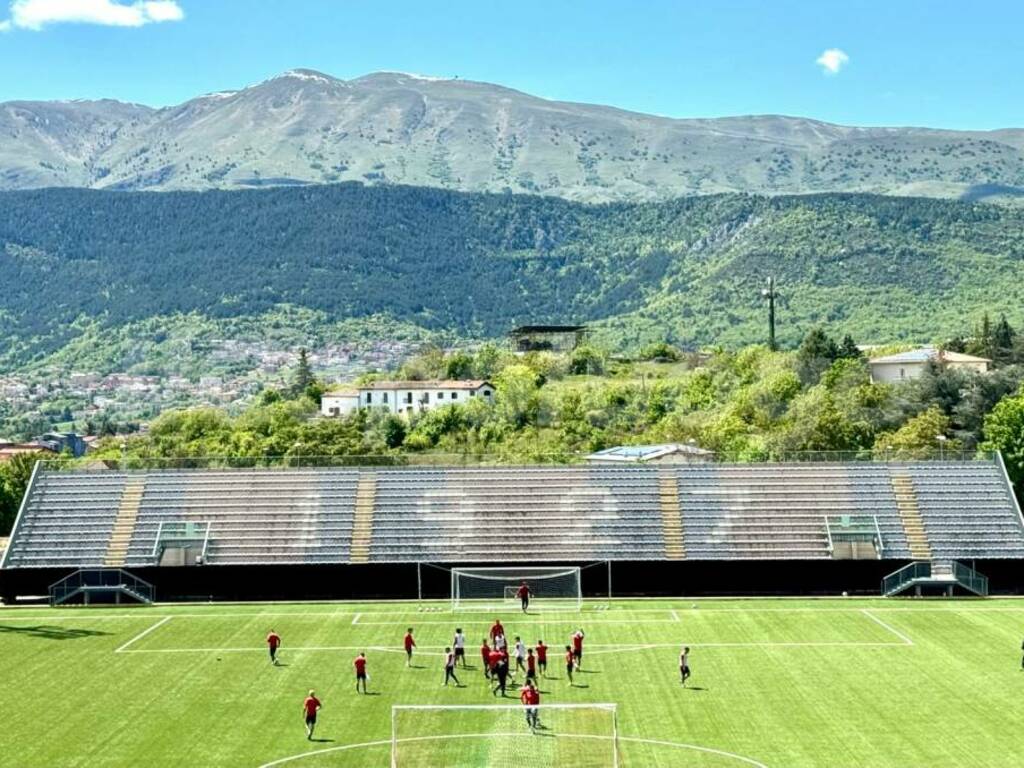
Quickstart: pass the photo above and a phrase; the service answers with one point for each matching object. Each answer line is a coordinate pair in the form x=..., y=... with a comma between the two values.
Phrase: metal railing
x=494, y=460
x=908, y=573
x=99, y=580
x=849, y=528
x=178, y=533
x=970, y=578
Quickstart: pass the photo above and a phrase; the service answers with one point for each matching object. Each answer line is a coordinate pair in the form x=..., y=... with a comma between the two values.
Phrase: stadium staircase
x=910, y=514
x=110, y=585
x=671, y=516
x=939, y=576
x=362, y=524
x=124, y=525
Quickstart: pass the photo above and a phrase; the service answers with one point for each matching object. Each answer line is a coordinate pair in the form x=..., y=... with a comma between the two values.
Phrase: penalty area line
x=730, y=756
x=142, y=634
x=283, y=649
x=906, y=640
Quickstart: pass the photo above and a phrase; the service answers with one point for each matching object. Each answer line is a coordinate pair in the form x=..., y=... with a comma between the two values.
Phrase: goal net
x=484, y=588
x=500, y=736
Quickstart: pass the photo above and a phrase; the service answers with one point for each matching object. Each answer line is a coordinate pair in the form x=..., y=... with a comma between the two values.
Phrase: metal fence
x=491, y=460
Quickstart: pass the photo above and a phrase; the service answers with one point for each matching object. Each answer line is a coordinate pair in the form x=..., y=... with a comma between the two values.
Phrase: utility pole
x=770, y=294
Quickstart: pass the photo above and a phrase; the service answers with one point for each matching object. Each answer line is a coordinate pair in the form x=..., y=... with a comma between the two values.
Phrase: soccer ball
x=845, y=593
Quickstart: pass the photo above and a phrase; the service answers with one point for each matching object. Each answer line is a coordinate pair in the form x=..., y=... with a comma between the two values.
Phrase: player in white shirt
x=499, y=642
x=684, y=664
x=459, y=644
x=520, y=652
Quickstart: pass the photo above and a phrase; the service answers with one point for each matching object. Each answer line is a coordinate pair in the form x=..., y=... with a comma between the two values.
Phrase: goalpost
x=498, y=736
x=485, y=588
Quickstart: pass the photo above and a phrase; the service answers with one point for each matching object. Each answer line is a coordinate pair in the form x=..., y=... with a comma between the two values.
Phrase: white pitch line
x=516, y=735
x=574, y=620
x=588, y=651
x=283, y=649
x=675, y=616
x=355, y=619
x=143, y=633
x=906, y=640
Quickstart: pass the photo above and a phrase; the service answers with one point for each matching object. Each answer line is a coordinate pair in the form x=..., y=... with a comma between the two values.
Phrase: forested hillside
x=76, y=262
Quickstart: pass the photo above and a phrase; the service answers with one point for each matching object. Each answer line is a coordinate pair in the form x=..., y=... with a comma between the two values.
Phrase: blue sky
x=900, y=62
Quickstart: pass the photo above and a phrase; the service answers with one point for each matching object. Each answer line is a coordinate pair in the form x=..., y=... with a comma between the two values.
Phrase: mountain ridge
x=307, y=127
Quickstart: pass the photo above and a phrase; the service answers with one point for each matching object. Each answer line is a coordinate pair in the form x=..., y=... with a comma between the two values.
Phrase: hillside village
x=542, y=378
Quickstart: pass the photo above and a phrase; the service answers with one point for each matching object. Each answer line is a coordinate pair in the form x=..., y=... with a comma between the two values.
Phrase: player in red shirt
x=499, y=671
x=497, y=629
x=360, y=665
x=523, y=593
x=310, y=707
x=530, y=697
x=570, y=663
x=273, y=643
x=542, y=658
x=409, y=644
x=531, y=665
x=577, y=647
x=485, y=655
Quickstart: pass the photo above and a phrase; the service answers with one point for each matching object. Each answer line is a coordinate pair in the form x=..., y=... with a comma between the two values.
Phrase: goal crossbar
x=504, y=707
x=554, y=586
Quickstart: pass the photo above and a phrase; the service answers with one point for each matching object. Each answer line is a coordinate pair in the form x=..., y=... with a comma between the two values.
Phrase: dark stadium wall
x=629, y=579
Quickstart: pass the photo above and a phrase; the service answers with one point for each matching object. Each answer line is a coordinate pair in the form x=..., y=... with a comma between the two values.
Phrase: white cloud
x=832, y=60
x=36, y=14
x=5, y=26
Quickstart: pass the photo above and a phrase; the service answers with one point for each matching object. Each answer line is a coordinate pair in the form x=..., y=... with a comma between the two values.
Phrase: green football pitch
x=778, y=683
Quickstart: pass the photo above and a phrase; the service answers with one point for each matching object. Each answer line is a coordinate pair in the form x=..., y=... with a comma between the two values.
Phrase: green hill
x=77, y=263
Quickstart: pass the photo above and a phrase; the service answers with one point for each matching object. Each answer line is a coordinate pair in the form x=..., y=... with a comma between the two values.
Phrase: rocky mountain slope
x=305, y=127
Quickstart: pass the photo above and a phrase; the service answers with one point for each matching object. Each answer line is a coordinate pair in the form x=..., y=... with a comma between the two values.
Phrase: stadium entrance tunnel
x=692, y=578
x=634, y=752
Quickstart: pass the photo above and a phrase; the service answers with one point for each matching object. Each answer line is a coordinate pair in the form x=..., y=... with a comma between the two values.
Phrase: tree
x=849, y=350
x=14, y=478
x=303, y=374
x=458, y=365
x=1004, y=432
x=922, y=435
x=956, y=344
x=1002, y=340
x=517, y=399
x=586, y=360
x=816, y=354
x=982, y=342
x=487, y=362
x=661, y=351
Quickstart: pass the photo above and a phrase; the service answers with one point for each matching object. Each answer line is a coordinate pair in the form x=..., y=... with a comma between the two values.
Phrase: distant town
x=33, y=403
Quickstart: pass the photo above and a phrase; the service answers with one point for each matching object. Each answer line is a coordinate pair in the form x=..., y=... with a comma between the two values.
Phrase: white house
x=909, y=365
x=404, y=397
x=339, y=402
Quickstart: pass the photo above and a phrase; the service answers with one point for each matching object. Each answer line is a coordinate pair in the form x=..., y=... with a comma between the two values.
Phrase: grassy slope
x=948, y=699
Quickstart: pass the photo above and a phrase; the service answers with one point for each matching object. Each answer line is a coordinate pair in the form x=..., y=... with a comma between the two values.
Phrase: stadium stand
x=108, y=518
